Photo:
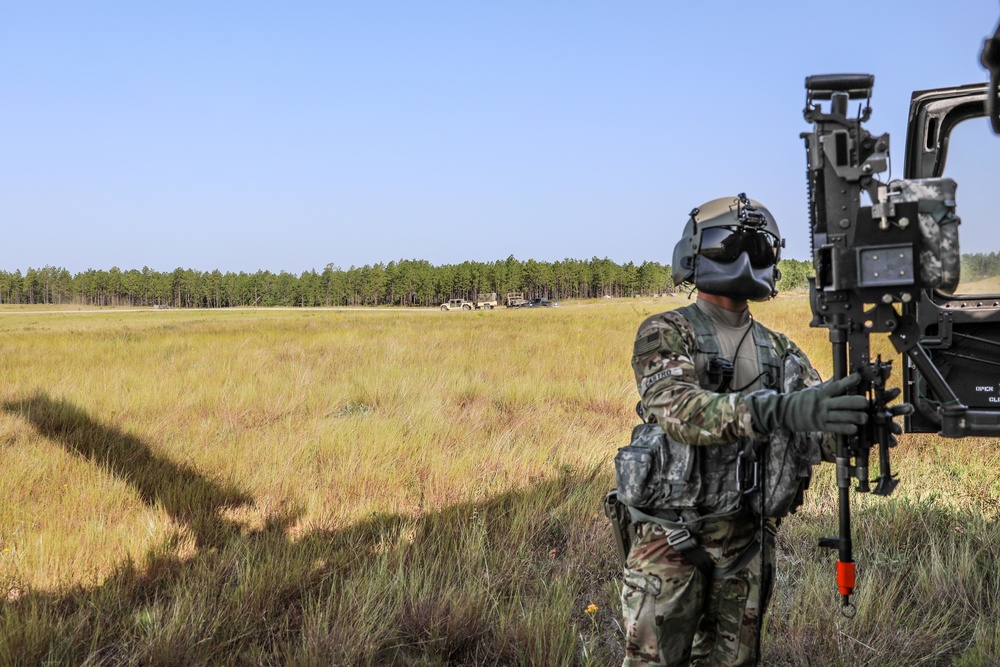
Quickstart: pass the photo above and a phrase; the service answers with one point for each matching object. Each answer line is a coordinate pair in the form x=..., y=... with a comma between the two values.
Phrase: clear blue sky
x=286, y=136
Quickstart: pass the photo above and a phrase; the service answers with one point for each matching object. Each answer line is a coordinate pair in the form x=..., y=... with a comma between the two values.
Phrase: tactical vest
x=655, y=472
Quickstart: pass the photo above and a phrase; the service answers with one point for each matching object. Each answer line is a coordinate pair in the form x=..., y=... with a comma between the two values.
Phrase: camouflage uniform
x=675, y=615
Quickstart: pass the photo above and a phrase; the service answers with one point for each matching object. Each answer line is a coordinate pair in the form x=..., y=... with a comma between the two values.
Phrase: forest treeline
x=980, y=265
x=398, y=283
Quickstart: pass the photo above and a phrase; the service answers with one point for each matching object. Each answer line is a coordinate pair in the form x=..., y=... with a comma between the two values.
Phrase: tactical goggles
x=725, y=244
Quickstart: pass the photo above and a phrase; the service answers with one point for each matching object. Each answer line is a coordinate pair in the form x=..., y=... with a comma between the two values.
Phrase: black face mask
x=737, y=279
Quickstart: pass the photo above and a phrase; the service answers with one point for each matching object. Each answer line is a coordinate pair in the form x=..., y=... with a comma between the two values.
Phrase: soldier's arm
x=663, y=362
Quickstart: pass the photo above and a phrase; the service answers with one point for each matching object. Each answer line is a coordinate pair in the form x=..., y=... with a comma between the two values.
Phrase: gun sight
x=823, y=86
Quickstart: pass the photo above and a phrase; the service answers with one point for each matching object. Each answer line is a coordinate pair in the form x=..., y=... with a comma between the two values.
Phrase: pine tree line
x=980, y=265
x=398, y=283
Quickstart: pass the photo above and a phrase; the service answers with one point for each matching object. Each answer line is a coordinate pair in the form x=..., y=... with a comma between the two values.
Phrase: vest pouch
x=637, y=466
x=719, y=478
x=788, y=457
x=788, y=464
x=655, y=471
x=678, y=465
x=680, y=481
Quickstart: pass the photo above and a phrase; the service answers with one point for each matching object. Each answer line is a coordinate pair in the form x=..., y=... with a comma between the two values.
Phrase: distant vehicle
x=540, y=303
x=515, y=299
x=457, y=304
x=487, y=301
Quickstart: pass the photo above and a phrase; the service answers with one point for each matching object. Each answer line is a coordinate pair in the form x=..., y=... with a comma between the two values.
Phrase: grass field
x=374, y=487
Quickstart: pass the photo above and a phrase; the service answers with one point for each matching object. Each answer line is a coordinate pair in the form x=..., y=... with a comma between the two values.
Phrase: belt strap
x=669, y=519
x=680, y=537
x=688, y=546
x=673, y=519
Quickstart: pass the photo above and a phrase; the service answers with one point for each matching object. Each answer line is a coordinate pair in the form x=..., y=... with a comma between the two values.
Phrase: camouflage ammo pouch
x=785, y=474
x=652, y=468
x=637, y=466
x=788, y=457
x=940, y=259
x=655, y=472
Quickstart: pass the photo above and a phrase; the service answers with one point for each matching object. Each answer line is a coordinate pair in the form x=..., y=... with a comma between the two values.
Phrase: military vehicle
x=487, y=301
x=457, y=304
x=515, y=299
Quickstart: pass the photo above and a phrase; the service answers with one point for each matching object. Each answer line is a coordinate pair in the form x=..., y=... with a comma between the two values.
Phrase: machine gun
x=886, y=258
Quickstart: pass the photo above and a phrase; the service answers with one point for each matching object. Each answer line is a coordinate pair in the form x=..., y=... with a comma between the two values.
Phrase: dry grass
x=408, y=487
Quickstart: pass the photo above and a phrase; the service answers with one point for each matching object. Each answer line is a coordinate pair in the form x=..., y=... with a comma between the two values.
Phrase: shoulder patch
x=647, y=343
x=648, y=382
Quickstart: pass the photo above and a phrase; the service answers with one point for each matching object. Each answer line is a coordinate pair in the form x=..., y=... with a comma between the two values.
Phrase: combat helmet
x=730, y=247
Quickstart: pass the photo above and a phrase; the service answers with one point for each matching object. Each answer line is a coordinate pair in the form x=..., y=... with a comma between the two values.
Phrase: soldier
x=721, y=387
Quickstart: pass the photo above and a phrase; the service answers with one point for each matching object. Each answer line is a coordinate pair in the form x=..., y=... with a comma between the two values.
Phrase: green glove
x=820, y=408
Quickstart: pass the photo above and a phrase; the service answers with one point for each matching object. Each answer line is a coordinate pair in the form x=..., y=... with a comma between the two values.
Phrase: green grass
x=410, y=487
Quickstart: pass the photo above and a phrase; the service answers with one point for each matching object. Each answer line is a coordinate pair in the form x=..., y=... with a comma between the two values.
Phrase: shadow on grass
x=184, y=494
x=502, y=581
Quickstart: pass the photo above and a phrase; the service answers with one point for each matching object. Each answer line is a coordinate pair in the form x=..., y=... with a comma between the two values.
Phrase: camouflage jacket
x=665, y=372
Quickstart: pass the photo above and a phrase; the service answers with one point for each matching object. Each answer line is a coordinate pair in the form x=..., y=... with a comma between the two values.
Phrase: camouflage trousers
x=674, y=616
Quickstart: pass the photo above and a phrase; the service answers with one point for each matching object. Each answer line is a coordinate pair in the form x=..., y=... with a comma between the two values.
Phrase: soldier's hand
x=825, y=407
